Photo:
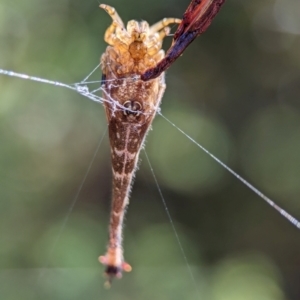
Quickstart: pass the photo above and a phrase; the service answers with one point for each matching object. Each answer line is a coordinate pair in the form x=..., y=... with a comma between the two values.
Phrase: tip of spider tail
x=113, y=271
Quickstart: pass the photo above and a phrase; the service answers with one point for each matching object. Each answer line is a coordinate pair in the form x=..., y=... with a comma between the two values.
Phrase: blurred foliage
x=235, y=91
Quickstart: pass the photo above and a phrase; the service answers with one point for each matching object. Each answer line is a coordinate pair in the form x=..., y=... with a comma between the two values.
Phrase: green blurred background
x=236, y=90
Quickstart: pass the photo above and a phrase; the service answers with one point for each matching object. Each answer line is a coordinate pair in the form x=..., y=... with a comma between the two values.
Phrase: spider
x=130, y=106
x=133, y=84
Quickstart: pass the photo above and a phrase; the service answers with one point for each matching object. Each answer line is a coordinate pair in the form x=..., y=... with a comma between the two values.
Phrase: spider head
x=138, y=31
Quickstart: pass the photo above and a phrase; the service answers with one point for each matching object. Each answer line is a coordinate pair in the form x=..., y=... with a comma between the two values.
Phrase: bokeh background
x=236, y=91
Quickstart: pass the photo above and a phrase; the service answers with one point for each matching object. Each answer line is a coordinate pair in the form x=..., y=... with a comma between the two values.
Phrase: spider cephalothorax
x=130, y=105
x=136, y=48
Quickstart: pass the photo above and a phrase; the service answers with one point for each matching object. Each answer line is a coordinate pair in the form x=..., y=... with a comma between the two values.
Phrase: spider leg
x=109, y=35
x=115, y=39
x=153, y=59
x=155, y=43
x=163, y=23
x=159, y=55
x=116, y=34
x=113, y=14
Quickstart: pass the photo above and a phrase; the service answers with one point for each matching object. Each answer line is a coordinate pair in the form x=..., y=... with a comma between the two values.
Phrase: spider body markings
x=130, y=106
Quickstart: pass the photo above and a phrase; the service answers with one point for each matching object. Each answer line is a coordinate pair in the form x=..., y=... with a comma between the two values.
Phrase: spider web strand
x=71, y=207
x=79, y=87
x=172, y=223
x=283, y=212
